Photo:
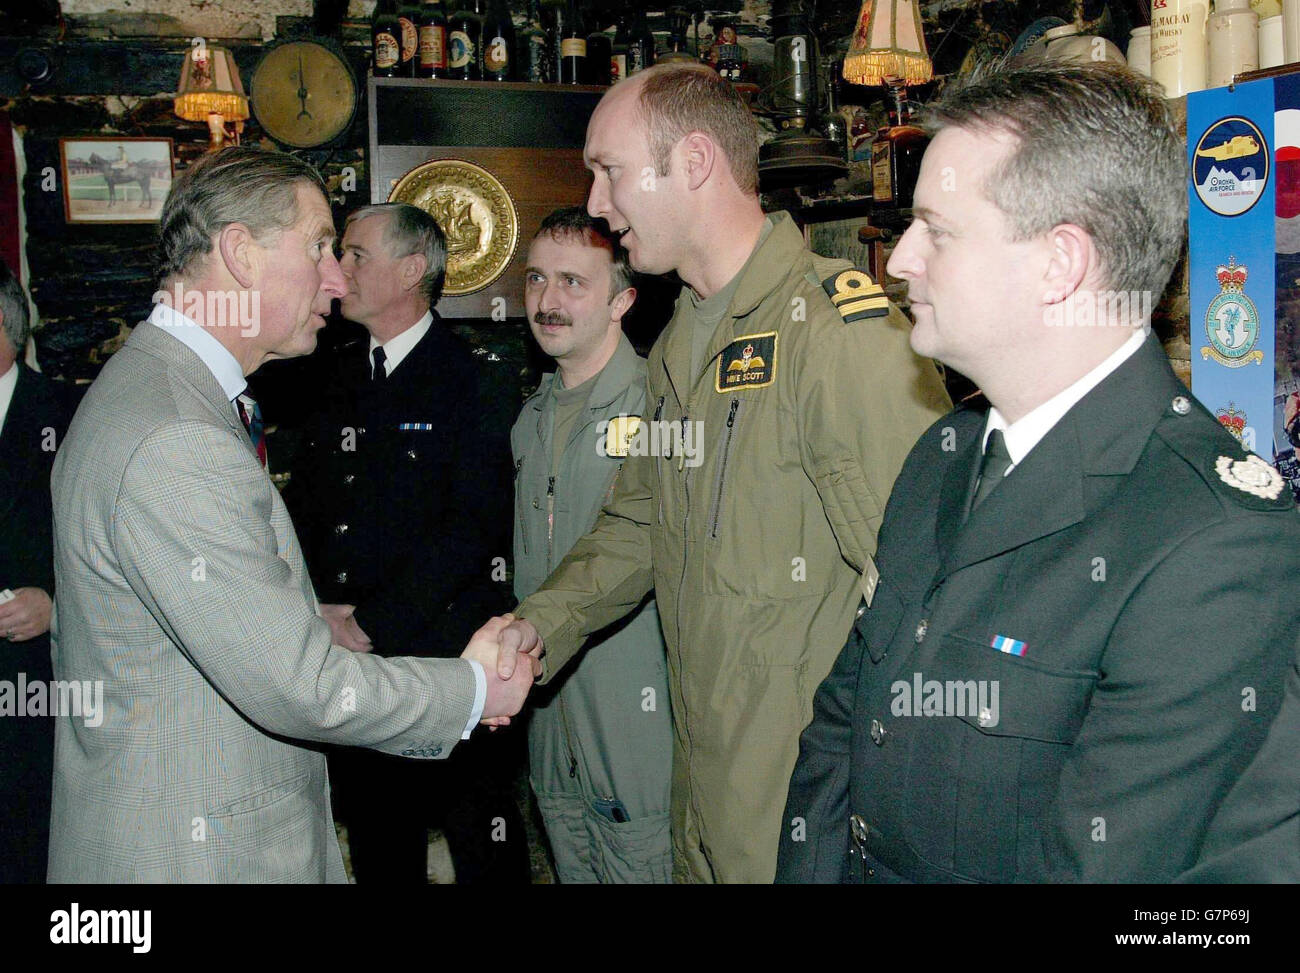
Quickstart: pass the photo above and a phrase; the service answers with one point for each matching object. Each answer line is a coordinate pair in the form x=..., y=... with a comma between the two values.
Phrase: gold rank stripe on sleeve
x=855, y=295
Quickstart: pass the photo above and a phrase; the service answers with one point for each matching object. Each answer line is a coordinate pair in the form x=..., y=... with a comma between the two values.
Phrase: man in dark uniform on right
x=1089, y=592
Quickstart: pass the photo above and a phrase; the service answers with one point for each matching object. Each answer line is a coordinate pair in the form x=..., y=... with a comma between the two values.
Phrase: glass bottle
x=385, y=40
x=641, y=45
x=572, y=45
x=896, y=158
x=432, y=32
x=534, y=65
x=498, y=43
x=600, y=51
x=408, y=17
x=463, y=33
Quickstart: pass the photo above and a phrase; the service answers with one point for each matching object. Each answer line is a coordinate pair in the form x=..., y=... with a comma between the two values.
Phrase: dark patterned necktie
x=380, y=373
x=251, y=416
x=993, y=467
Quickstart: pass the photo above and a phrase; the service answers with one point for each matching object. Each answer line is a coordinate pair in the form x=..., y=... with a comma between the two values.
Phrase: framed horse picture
x=115, y=179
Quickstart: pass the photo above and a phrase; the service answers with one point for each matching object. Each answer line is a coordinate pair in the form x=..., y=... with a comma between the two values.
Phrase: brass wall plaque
x=476, y=213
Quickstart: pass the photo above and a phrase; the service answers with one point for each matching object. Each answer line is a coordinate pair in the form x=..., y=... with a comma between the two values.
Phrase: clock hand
x=302, y=89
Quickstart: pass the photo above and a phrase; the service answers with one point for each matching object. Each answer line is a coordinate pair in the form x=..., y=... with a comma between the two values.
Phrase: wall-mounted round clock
x=303, y=94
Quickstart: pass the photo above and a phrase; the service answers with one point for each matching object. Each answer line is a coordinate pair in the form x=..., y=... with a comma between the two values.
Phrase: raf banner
x=1243, y=147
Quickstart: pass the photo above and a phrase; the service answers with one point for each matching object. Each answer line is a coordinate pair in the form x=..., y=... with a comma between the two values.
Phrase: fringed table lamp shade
x=888, y=45
x=211, y=92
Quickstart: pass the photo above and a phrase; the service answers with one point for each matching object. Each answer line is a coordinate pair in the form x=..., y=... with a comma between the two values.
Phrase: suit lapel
x=19, y=438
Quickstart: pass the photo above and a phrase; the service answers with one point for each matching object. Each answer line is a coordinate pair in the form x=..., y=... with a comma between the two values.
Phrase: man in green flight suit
x=783, y=399
x=600, y=737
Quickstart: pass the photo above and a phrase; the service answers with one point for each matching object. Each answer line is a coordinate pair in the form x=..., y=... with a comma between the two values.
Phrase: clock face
x=303, y=94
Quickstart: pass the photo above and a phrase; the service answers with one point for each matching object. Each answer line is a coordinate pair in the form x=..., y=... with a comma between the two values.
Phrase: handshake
x=510, y=651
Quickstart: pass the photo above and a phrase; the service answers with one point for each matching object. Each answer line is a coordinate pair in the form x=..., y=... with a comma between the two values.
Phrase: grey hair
x=412, y=230
x=239, y=184
x=13, y=305
x=1096, y=146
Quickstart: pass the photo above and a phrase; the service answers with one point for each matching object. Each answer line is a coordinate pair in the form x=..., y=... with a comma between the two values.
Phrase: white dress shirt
x=8, y=382
x=1026, y=432
x=228, y=373
x=399, y=346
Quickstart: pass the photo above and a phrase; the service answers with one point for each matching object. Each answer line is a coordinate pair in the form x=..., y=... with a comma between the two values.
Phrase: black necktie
x=993, y=467
x=380, y=373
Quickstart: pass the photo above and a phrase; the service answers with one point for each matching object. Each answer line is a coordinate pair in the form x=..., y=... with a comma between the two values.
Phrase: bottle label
x=617, y=68
x=387, y=51
x=636, y=59
x=410, y=40
x=573, y=47
x=433, y=46
x=496, y=56
x=462, y=49
x=882, y=183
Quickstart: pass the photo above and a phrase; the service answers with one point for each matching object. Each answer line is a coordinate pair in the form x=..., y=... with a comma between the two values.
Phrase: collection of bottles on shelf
x=424, y=40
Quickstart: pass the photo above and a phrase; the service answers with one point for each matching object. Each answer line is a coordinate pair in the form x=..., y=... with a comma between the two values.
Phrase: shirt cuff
x=480, y=697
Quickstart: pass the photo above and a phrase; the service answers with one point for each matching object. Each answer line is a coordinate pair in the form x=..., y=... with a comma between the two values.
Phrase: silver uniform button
x=1181, y=405
x=341, y=577
x=341, y=529
x=921, y=629
x=349, y=479
x=862, y=610
x=986, y=717
x=412, y=454
x=877, y=733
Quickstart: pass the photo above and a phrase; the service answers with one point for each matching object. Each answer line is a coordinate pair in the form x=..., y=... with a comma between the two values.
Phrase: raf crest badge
x=1232, y=321
x=748, y=362
x=619, y=435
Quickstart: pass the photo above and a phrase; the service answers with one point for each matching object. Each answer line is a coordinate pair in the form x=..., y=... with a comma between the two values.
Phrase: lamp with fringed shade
x=888, y=44
x=211, y=92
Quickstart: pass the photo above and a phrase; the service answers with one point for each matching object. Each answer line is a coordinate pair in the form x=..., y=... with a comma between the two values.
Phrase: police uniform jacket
x=1133, y=602
x=400, y=495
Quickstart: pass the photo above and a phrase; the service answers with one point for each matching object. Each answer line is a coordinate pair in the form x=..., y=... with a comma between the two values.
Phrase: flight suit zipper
x=523, y=526
x=681, y=587
x=659, y=411
x=722, y=468
x=550, y=520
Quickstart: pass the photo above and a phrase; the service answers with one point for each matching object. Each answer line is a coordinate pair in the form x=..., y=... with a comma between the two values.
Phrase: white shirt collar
x=399, y=346
x=219, y=361
x=8, y=382
x=1026, y=432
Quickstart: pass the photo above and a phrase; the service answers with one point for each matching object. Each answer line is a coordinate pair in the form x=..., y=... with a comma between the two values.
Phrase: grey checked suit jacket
x=181, y=587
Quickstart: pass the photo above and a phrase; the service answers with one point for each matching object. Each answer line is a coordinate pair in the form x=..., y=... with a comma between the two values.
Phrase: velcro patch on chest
x=856, y=296
x=748, y=362
x=619, y=435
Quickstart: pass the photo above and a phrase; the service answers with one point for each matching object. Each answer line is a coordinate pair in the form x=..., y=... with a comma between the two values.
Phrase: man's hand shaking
x=498, y=645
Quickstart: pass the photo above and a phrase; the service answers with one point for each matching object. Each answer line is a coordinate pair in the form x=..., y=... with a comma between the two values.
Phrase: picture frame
x=115, y=179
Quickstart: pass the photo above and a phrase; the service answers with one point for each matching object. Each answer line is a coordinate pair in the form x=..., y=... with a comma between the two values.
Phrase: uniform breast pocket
x=1020, y=720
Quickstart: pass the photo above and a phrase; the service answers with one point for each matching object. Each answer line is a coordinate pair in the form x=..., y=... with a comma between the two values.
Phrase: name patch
x=748, y=362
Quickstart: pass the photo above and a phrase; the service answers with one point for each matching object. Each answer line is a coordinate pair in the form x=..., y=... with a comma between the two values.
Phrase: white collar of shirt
x=219, y=361
x=8, y=382
x=1026, y=432
x=398, y=347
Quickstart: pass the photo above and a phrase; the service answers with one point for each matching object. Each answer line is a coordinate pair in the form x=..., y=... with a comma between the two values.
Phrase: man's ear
x=236, y=246
x=699, y=156
x=622, y=303
x=1072, y=256
x=412, y=270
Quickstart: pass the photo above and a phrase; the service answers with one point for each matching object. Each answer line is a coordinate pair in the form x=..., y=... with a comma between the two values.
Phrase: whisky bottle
x=408, y=17
x=534, y=64
x=896, y=158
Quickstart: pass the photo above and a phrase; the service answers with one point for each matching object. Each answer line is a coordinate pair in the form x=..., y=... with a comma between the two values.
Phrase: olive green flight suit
x=753, y=537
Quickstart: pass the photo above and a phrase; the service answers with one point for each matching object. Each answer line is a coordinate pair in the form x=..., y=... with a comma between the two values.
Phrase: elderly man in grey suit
x=183, y=596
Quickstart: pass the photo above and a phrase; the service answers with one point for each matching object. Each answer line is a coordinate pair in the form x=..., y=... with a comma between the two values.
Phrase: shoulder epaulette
x=855, y=295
